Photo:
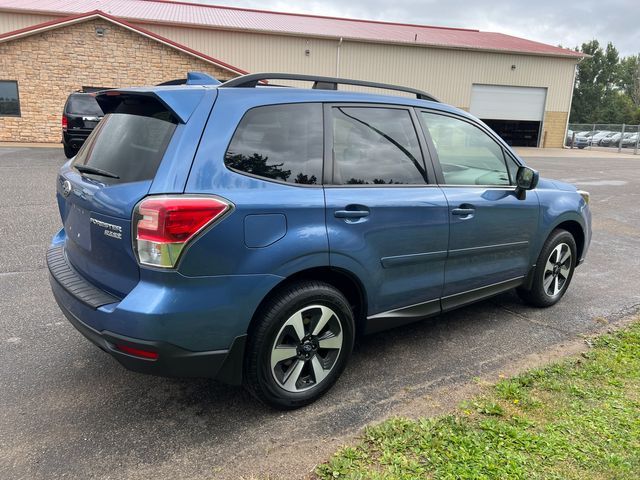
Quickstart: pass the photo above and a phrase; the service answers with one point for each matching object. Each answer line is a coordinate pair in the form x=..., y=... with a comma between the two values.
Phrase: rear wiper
x=95, y=171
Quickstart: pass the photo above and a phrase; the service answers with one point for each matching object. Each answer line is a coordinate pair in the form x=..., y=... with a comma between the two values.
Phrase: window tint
x=467, y=155
x=83, y=105
x=280, y=142
x=9, y=100
x=375, y=146
x=129, y=143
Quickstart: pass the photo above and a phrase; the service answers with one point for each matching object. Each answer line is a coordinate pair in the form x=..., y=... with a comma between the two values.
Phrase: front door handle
x=351, y=213
x=464, y=211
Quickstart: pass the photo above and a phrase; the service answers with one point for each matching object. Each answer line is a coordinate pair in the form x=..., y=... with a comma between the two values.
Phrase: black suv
x=80, y=116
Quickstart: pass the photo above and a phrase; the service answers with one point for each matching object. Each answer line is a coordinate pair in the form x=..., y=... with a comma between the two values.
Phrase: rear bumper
x=196, y=325
x=172, y=361
x=75, y=139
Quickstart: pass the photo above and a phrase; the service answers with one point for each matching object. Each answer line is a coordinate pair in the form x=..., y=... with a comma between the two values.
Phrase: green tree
x=618, y=108
x=596, y=82
x=629, y=80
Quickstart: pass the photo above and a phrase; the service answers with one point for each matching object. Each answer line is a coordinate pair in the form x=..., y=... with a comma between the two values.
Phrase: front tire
x=300, y=345
x=554, y=270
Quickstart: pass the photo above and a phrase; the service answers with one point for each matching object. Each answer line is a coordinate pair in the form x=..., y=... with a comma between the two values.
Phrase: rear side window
x=279, y=142
x=83, y=105
x=374, y=145
x=129, y=142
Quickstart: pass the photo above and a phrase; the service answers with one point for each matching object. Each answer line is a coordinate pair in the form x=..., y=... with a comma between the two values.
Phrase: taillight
x=65, y=123
x=162, y=226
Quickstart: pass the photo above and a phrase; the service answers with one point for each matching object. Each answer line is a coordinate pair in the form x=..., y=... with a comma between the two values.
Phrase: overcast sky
x=556, y=22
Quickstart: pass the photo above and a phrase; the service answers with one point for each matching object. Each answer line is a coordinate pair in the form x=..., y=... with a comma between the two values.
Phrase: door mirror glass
x=527, y=178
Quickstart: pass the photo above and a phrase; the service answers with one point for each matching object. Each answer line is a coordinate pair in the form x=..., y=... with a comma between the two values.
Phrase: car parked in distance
x=248, y=233
x=80, y=115
x=596, y=140
x=630, y=141
x=578, y=141
x=587, y=133
x=614, y=140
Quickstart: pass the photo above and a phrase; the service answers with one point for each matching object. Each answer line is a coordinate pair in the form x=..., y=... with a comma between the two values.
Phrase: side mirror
x=527, y=178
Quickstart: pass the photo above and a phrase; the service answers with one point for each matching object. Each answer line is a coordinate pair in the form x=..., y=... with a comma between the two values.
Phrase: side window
x=279, y=142
x=375, y=146
x=467, y=155
x=9, y=99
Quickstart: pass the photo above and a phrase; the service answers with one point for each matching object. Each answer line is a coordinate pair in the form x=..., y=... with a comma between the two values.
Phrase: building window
x=9, y=100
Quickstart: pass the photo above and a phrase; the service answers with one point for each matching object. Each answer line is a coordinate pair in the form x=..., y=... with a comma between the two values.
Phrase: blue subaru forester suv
x=246, y=232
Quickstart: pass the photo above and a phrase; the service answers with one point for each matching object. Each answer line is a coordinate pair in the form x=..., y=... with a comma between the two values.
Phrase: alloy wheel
x=557, y=270
x=306, y=348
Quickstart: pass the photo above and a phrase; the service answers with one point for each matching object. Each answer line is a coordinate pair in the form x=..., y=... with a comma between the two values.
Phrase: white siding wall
x=447, y=74
x=16, y=21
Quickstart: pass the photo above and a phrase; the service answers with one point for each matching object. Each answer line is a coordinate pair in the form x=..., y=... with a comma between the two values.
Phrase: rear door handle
x=351, y=213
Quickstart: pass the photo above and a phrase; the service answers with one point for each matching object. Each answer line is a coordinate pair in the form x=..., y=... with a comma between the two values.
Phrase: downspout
x=338, y=58
x=573, y=87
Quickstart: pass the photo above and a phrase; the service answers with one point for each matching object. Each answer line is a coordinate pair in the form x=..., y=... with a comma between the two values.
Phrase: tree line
x=607, y=88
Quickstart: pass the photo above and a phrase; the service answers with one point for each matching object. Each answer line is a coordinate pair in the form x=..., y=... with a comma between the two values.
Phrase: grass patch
x=577, y=419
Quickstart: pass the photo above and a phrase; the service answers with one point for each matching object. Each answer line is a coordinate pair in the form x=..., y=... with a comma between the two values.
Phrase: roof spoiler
x=181, y=102
x=193, y=78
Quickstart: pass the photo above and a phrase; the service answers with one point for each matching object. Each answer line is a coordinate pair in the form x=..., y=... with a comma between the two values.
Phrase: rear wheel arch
x=347, y=283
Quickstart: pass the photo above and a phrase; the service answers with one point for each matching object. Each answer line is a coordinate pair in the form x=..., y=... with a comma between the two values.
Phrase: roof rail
x=321, y=83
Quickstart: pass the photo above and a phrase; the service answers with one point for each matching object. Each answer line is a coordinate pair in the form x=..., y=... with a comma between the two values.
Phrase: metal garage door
x=514, y=113
x=508, y=103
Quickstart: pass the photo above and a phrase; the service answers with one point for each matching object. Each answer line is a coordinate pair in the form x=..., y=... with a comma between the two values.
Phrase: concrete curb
x=30, y=145
x=573, y=153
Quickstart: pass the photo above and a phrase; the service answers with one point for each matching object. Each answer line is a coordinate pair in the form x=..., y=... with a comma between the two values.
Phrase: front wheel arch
x=534, y=290
x=576, y=230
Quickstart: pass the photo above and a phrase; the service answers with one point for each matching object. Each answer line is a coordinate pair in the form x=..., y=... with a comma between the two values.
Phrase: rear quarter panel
x=251, y=239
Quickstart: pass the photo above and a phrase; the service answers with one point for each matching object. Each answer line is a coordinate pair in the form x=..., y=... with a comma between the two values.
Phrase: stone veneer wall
x=555, y=124
x=50, y=65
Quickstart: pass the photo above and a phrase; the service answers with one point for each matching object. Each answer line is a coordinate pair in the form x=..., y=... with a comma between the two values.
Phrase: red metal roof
x=232, y=18
x=58, y=23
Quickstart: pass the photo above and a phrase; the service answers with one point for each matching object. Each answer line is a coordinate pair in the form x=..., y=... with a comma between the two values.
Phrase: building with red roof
x=521, y=88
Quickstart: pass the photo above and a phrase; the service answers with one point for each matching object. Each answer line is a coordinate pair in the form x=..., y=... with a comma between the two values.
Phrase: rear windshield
x=83, y=105
x=128, y=143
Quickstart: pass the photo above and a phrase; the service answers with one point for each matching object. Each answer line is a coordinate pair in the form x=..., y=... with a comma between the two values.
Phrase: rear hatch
x=83, y=113
x=99, y=189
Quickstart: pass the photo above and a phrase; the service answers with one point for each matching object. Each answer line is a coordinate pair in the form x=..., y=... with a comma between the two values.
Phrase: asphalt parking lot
x=70, y=411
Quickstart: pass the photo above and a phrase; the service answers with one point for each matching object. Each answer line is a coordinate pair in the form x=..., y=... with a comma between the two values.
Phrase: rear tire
x=300, y=345
x=554, y=270
x=69, y=151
